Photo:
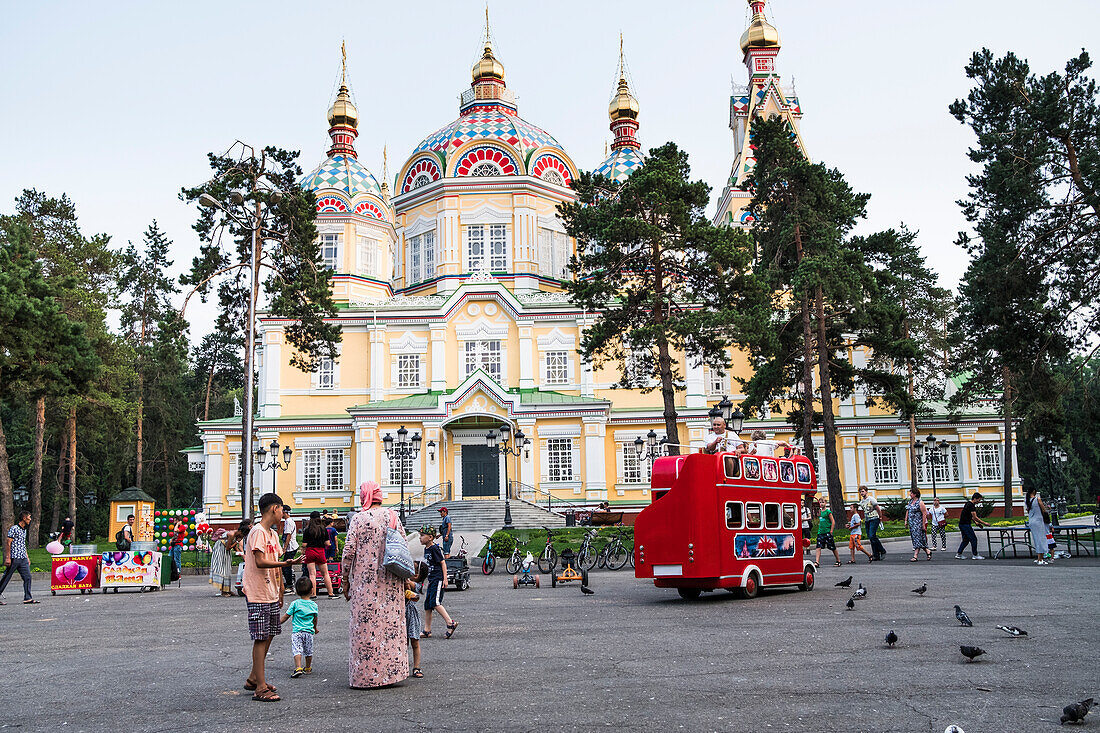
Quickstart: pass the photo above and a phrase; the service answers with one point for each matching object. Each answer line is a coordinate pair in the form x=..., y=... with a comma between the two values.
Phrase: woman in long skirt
x=916, y=517
x=221, y=567
x=377, y=639
x=1037, y=525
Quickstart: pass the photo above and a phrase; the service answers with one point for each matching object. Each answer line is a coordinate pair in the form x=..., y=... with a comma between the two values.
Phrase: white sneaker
x=977, y=557
x=958, y=557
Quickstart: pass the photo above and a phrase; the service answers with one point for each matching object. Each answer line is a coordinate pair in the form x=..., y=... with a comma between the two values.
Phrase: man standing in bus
x=719, y=439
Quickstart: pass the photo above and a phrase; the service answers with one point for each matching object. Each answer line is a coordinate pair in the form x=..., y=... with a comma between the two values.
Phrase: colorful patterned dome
x=620, y=165
x=491, y=123
x=345, y=174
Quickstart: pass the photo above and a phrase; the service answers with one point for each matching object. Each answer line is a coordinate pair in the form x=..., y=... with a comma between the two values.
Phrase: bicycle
x=489, y=564
x=515, y=562
x=548, y=558
x=616, y=553
x=587, y=555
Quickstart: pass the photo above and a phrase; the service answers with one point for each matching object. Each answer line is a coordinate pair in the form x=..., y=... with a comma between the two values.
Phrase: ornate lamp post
x=403, y=449
x=89, y=500
x=21, y=495
x=274, y=465
x=649, y=449
x=499, y=442
x=931, y=453
x=1056, y=456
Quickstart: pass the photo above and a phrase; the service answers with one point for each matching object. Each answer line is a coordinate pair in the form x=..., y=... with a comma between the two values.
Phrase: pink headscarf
x=370, y=493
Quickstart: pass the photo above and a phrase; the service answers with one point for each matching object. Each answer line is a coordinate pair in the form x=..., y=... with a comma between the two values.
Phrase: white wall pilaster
x=439, y=357
x=526, y=359
x=696, y=396
x=270, y=405
x=595, y=470
x=377, y=362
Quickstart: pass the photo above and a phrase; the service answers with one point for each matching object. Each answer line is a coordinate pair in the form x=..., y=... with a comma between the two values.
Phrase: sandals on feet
x=836, y=564
x=251, y=687
x=267, y=695
x=451, y=629
x=425, y=634
x=417, y=673
x=298, y=672
x=912, y=559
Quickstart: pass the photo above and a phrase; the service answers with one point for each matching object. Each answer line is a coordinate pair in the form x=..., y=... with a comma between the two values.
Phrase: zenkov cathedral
x=454, y=322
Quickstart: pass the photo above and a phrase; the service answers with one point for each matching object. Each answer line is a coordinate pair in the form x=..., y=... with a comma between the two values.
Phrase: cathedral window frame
x=331, y=248
x=492, y=242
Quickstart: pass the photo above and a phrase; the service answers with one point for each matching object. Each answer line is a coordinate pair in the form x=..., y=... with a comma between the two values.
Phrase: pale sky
x=117, y=104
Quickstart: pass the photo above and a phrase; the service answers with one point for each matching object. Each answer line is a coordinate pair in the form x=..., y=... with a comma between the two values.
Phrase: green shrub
x=893, y=508
x=503, y=544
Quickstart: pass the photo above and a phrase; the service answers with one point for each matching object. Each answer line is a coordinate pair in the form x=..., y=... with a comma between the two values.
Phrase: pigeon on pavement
x=922, y=590
x=962, y=617
x=845, y=583
x=971, y=652
x=891, y=638
x=861, y=592
x=1013, y=630
x=851, y=604
x=587, y=591
x=953, y=729
x=1075, y=712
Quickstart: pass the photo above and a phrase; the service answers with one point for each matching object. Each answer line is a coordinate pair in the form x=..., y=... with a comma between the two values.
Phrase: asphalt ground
x=630, y=657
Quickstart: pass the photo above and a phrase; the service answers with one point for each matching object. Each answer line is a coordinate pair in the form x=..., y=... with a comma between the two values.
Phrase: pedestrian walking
x=68, y=528
x=302, y=613
x=916, y=517
x=873, y=518
x=446, y=530
x=1037, y=524
x=377, y=637
x=263, y=589
x=315, y=538
x=290, y=545
x=436, y=584
x=15, y=557
x=966, y=520
x=937, y=525
x=855, y=535
x=332, y=546
x=414, y=622
x=825, y=526
x=221, y=563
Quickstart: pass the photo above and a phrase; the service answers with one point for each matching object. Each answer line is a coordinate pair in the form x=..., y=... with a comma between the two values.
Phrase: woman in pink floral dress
x=377, y=645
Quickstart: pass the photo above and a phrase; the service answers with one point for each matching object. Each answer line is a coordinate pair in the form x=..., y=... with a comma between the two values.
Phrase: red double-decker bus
x=725, y=521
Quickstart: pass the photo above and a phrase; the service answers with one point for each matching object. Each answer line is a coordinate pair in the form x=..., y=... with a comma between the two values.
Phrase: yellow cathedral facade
x=454, y=323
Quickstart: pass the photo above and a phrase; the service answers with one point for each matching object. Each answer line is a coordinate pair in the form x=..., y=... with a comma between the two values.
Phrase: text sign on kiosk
x=131, y=569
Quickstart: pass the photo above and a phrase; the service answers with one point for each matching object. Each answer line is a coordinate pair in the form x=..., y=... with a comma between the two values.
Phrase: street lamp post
x=403, y=449
x=503, y=443
x=931, y=453
x=21, y=495
x=274, y=465
x=253, y=221
x=89, y=500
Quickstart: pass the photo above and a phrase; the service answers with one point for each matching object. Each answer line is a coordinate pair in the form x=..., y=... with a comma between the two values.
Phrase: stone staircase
x=484, y=516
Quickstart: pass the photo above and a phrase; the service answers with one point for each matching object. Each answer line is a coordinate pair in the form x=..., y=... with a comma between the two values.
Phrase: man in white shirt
x=719, y=439
x=763, y=447
x=290, y=545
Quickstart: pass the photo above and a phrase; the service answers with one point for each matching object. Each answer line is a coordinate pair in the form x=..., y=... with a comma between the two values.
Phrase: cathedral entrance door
x=480, y=472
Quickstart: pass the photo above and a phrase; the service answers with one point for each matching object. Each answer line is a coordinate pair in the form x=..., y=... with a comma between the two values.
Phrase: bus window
x=732, y=467
x=786, y=472
x=752, y=468
x=769, y=470
x=771, y=516
x=803, y=473
x=790, y=516
x=752, y=513
x=735, y=515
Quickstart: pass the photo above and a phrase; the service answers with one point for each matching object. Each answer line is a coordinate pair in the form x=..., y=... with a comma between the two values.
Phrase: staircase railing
x=541, y=497
x=425, y=497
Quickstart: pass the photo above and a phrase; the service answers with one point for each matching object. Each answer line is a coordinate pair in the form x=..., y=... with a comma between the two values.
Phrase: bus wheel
x=752, y=586
x=689, y=594
x=807, y=580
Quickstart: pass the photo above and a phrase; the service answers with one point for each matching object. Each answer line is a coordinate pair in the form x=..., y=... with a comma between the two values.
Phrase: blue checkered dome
x=620, y=165
x=342, y=173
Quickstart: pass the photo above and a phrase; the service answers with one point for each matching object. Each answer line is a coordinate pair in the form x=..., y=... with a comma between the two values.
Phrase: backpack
x=121, y=542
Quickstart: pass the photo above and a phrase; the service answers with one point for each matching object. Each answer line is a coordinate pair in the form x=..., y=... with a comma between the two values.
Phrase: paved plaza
x=630, y=657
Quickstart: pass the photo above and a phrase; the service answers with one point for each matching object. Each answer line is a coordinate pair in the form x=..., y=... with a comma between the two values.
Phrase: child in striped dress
x=414, y=622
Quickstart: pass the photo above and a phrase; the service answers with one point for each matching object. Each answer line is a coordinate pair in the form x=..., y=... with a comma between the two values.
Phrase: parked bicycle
x=489, y=564
x=588, y=555
x=617, y=553
x=548, y=558
x=515, y=562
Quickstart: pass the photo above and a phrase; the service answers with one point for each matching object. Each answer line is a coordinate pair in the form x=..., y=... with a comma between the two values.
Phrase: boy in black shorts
x=436, y=583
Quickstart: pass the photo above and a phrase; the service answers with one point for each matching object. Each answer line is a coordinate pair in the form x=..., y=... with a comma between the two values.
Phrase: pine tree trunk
x=664, y=358
x=912, y=418
x=140, y=432
x=36, y=476
x=828, y=423
x=1008, y=399
x=59, y=483
x=209, y=384
x=167, y=475
x=807, y=363
x=7, y=506
x=70, y=425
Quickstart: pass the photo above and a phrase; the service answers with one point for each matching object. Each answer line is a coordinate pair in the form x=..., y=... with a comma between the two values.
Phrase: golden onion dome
x=487, y=67
x=342, y=111
x=624, y=105
x=760, y=33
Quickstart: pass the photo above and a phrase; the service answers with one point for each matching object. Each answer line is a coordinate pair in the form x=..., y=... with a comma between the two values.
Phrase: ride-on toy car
x=458, y=569
x=568, y=559
x=527, y=577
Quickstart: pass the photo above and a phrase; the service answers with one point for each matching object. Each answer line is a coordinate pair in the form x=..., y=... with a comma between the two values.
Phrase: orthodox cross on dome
x=385, y=176
x=760, y=41
x=487, y=79
x=343, y=117
x=623, y=110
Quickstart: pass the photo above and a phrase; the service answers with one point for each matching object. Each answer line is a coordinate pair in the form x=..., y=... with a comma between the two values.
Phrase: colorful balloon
x=81, y=572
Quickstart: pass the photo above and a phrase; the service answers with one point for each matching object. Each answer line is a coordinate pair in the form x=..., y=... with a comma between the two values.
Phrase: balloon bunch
x=175, y=526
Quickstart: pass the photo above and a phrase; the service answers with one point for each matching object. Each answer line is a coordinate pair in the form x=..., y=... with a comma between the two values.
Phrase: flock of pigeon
x=1072, y=713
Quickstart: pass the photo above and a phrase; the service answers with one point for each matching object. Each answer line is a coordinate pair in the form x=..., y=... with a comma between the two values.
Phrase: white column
x=366, y=464
x=595, y=472
x=457, y=452
x=527, y=463
x=212, y=490
x=432, y=473
x=849, y=457
x=449, y=242
x=439, y=357
x=588, y=387
x=377, y=368
x=272, y=362
x=526, y=358
x=696, y=394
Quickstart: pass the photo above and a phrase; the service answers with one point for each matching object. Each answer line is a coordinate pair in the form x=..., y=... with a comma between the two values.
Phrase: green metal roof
x=429, y=400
